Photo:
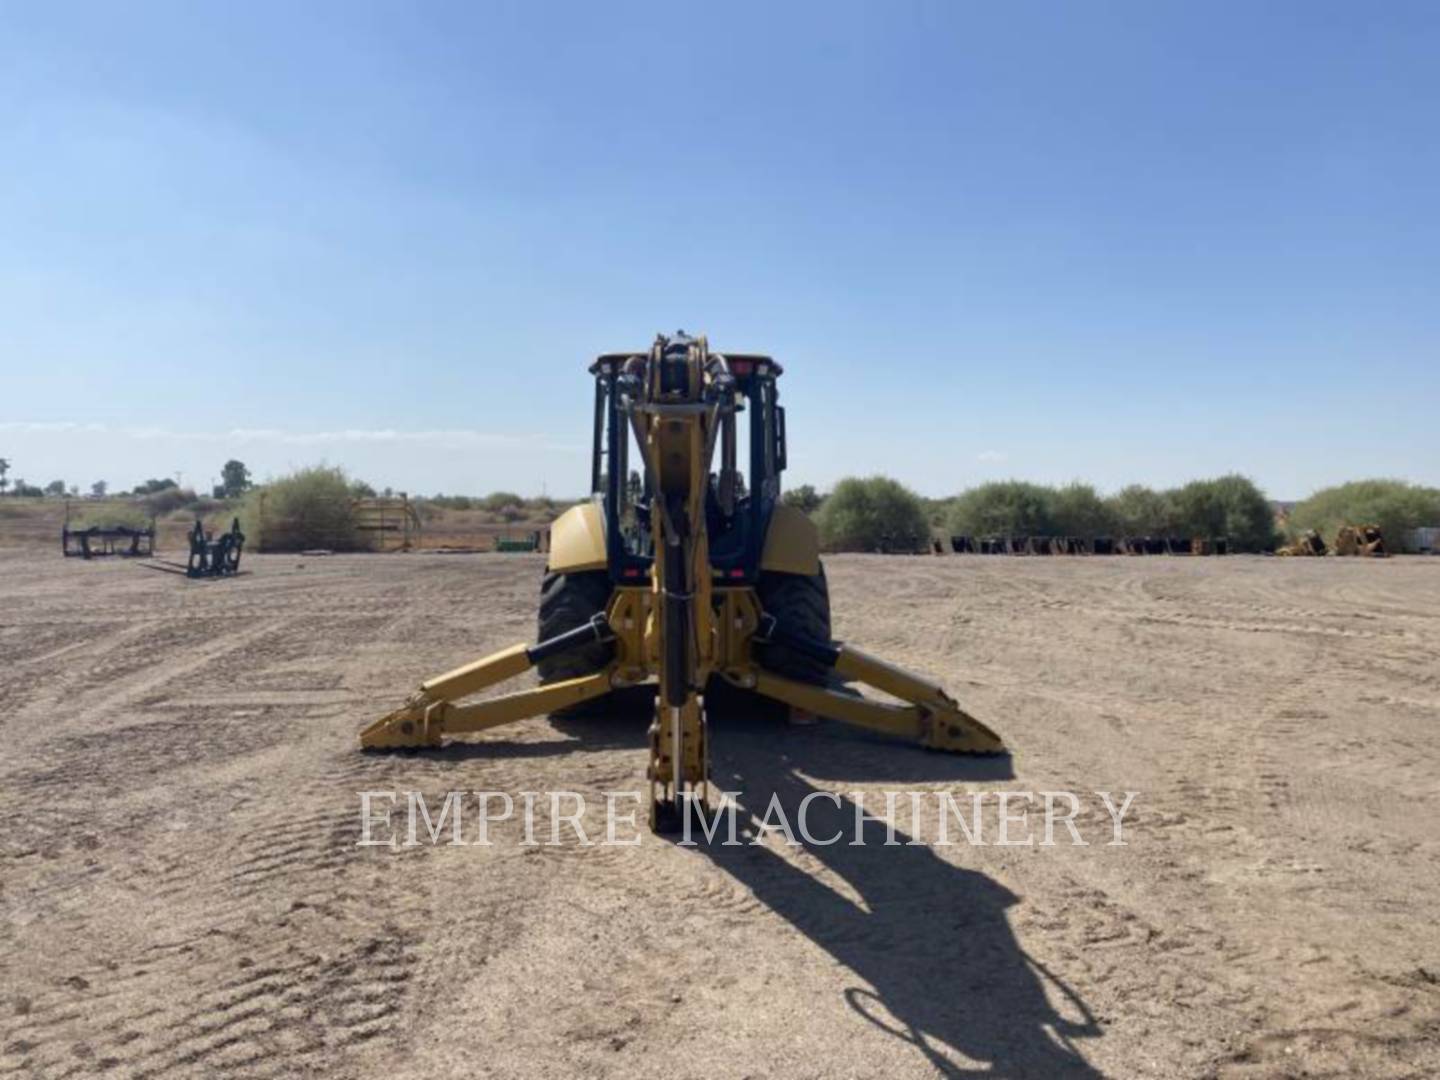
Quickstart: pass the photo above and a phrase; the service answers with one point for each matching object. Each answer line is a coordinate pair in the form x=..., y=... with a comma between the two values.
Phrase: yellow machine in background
x=1309, y=543
x=1363, y=540
x=679, y=575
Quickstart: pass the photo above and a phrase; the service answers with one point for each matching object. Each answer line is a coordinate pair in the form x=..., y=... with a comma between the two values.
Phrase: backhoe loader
x=686, y=576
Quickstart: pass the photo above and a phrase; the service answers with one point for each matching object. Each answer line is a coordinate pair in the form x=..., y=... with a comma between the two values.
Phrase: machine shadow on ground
x=936, y=960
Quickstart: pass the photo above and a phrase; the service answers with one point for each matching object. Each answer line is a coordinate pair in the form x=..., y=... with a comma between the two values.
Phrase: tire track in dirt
x=182, y=894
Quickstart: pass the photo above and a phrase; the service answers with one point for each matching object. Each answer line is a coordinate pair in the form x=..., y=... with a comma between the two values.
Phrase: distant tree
x=1078, y=511
x=1142, y=511
x=55, y=487
x=74, y=489
x=218, y=491
x=498, y=500
x=1230, y=506
x=150, y=487
x=167, y=500
x=27, y=491
x=875, y=513
x=4, y=468
x=804, y=498
x=454, y=502
x=1004, y=508
x=310, y=508
x=234, y=478
x=359, y=489
x=98, y=489
x=937, y=511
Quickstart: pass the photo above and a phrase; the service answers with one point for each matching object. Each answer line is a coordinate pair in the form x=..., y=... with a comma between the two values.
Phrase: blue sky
x=1113, y=242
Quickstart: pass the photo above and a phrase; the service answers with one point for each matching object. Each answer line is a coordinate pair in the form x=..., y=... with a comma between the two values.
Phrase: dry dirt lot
x=181, y=892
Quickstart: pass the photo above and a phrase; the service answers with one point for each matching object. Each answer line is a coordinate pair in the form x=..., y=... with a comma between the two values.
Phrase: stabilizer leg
x=431, y=713
x=931, y=717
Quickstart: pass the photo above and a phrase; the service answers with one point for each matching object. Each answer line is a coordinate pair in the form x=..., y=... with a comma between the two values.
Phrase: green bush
x=1230, y=506
x=205, y=507
x=937, y=512
x=167, y=500
x=1004, y=508
x=1394, y=505
x=1077, y=510
x=872, y=514
x=804, y=498
x=1141, y=511
x=452, y=502
x=307, y=509
x=497, y=501
x=111, y=516
x=150, y=487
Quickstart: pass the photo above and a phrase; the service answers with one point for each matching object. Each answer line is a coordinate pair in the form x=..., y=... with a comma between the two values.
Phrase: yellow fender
x=792, y=543
x=577, y=540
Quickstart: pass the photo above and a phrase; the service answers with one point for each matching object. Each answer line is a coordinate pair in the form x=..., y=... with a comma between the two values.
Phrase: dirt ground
x=182, y=891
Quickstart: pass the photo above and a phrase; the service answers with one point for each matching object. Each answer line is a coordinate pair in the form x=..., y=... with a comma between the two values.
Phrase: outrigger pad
x=957, y=731
x=405, y=728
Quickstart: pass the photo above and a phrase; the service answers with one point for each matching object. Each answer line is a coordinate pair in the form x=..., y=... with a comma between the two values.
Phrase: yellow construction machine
x=1308, y=543
x=684, y=576
x=1362, y=540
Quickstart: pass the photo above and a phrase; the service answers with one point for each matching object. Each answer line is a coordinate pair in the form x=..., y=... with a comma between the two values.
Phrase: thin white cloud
x=991, y=456
x=458, y=437
x=59, y=427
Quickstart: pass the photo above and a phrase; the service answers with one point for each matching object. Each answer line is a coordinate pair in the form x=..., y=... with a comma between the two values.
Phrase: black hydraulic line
x=772, y=632
x=727, y=464
x=676, y=647
x=597, y=629
x=612, y=481
x=599, y=433
x=758, y=406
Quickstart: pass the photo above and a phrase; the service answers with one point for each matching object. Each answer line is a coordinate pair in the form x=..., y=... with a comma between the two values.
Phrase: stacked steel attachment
x=118, y=540
x=212, y=556
x=1080, y=545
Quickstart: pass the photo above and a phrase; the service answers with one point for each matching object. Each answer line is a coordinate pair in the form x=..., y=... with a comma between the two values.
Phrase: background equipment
x=1309, y=543
x=115, y=540
x=1364, y=540
x=210, y=556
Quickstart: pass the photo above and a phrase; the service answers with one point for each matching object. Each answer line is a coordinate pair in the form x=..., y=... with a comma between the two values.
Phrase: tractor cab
x=742, y=464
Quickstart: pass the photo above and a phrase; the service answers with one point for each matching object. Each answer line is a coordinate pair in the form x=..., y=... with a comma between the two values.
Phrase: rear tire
x=568, y=601
x=801, y=604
